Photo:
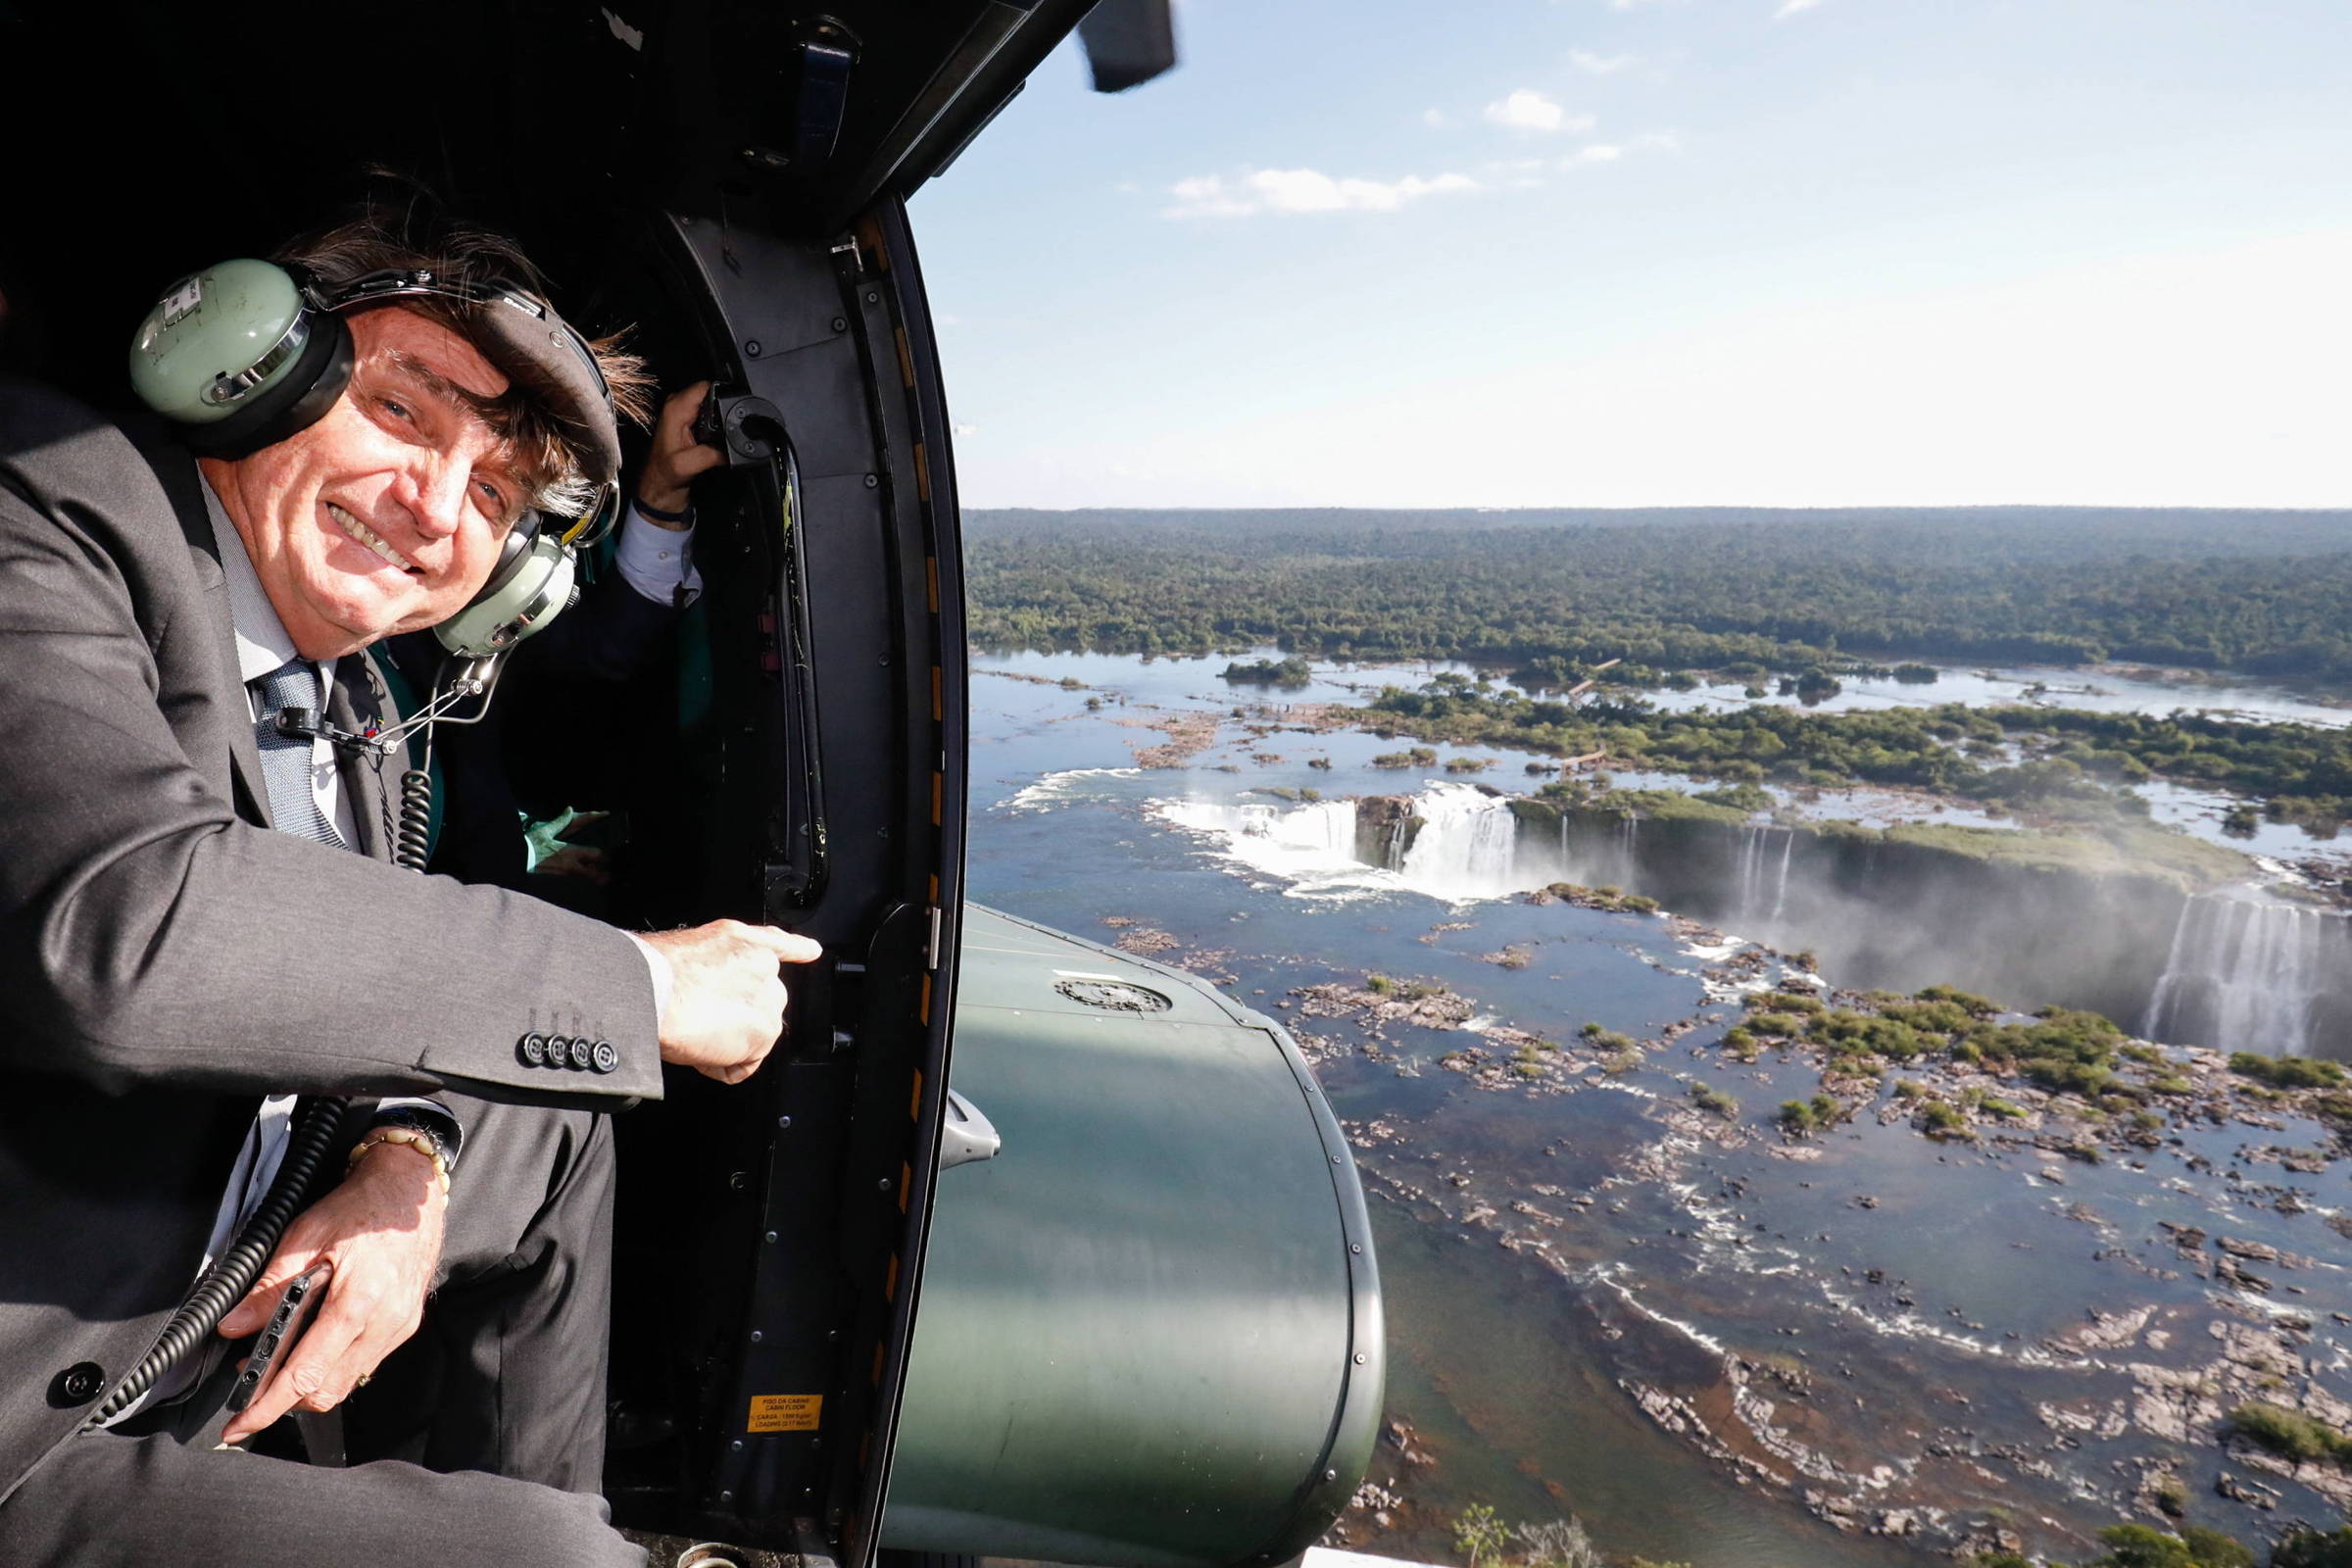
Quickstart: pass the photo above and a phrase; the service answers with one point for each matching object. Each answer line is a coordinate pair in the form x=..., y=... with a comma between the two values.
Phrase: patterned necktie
x=286, y=758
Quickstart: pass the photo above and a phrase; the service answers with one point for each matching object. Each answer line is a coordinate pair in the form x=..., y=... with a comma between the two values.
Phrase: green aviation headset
x=246, y=353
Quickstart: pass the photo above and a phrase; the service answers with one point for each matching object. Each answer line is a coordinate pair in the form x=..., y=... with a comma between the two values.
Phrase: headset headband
x=521, y=341
x=394, y=283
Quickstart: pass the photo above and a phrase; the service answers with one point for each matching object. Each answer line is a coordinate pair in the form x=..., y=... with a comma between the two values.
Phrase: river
x=1577, y=1267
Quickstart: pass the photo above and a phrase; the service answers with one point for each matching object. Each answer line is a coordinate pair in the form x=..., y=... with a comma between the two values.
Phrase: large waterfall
x=2246, y=974
x=1467, y=846
x=1463, y=844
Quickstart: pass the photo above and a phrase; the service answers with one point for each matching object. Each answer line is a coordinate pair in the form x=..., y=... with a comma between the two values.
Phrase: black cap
x=518, y=331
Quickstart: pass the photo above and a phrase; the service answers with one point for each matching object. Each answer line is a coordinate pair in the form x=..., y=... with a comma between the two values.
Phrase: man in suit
x=187, y=941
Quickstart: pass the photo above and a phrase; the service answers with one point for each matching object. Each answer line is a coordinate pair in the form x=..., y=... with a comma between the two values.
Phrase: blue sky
x=1514, y=253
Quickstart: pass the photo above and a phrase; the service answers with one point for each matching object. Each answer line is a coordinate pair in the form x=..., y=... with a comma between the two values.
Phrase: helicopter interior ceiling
x=544, y=116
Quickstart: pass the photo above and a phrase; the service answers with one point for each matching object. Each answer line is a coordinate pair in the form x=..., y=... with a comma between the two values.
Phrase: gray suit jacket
x=165, y=958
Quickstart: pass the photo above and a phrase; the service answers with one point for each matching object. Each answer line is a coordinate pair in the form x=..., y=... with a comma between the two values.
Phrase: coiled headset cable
x=318, y=1118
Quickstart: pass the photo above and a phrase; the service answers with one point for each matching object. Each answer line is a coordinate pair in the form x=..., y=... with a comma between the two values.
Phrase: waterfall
x=1322, y=830
x=1312, y=846
x=1467, y=847
x=1763, y=875
x=2244, y=973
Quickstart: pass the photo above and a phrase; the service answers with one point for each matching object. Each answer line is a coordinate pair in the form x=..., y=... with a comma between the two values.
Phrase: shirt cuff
x=658, y=562
x=658, y=970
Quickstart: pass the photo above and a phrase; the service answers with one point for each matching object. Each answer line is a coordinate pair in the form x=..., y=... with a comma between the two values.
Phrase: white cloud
x=1790, y=8
x=1601, y=152
x=1302, y=190
x=1529, y=110
x=1436, y=119
x=1592, y=65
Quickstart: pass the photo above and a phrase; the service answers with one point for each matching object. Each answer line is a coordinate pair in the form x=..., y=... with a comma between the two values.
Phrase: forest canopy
x=1730, y=590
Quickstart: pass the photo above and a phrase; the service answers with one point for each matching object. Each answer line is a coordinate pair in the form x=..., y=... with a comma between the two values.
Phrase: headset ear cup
x=295, y=403
x=511, y=552
x=534, y=583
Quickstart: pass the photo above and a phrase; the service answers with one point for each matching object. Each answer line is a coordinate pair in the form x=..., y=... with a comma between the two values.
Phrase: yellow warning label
x=785, y=1412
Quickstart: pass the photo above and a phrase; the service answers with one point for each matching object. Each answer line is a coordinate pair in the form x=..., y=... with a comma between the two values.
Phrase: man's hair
x=408, y=231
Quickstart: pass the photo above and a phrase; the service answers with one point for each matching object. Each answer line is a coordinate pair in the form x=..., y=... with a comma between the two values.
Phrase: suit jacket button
x=78, y=1384
x=559, y=1050
x=532, y=1049
x=605, y=1057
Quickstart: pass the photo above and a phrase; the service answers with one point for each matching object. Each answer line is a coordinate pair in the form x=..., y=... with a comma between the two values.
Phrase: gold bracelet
x=422, y=1142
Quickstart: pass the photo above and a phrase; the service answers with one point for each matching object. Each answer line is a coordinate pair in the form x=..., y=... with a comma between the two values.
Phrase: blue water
x=1518, y=1364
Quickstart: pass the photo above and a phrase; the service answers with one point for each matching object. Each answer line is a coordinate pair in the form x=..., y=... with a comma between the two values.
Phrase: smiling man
x=188, y=943
x=386, y=515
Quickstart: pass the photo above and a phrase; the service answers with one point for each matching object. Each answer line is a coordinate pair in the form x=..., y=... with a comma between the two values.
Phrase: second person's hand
x=676, y=457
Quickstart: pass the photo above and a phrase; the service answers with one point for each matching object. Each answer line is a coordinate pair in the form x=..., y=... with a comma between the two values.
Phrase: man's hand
x=676, y=457
x=726, y=999
x=381, y=1229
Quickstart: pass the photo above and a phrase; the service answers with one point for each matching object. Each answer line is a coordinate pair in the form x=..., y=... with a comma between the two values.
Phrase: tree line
x=2267, y=593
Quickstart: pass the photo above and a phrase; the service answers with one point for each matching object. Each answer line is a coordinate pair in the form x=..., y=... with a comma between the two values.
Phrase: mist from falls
x=2244, y=971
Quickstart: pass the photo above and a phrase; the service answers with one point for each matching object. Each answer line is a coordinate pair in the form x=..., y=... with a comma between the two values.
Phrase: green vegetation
x=1270, y=672
x=2067, y=762
x=1940, y=1118
x=1715, y=1102
x=2069, y=1052
x=1380, y=985
x=2063, y=1050
x=1800, y=1117
x=2289, y=1434
x=1612, y=899
x=1479, y=1536
x=1738, y=593
x=2144, y=1547
x=2305, y=1548
x=2286, y=1072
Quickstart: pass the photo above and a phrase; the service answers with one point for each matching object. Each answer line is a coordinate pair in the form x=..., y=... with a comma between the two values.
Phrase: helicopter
x=1017, y=1246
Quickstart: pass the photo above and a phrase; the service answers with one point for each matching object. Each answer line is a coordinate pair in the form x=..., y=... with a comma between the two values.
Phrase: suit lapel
x=179, y=480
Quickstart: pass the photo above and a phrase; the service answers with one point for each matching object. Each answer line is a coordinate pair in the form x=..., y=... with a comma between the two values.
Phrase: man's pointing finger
x=787, y=947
